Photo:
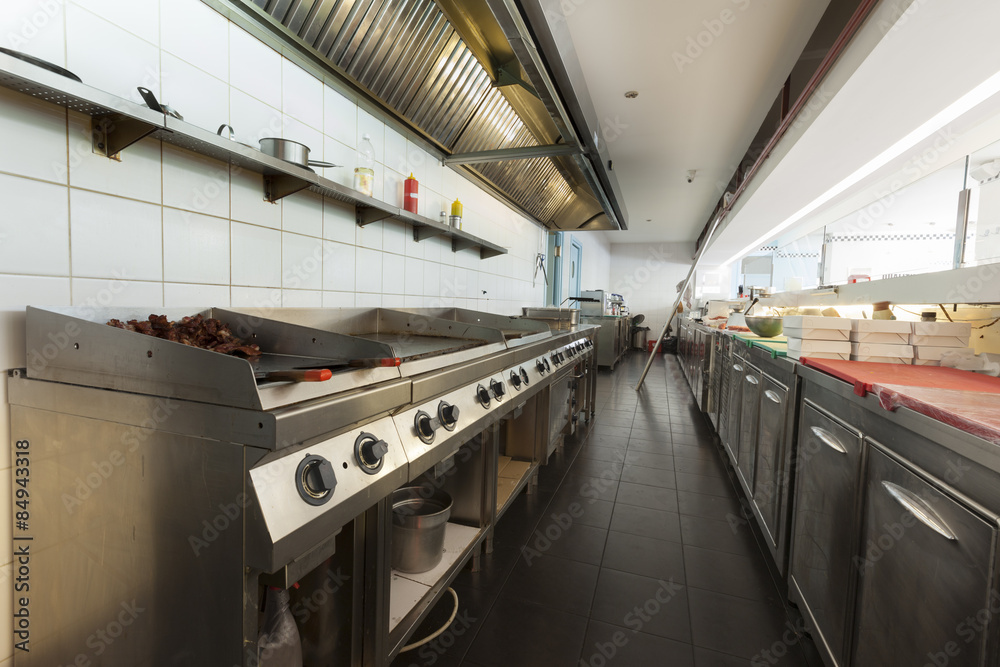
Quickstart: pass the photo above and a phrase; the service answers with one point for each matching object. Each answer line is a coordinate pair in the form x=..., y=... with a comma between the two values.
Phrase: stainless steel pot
x=419, y=517
x=290, y=151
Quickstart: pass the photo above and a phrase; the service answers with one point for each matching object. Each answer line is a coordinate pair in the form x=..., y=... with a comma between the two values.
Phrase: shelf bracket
x=366, y=215
x=486, y=253
x=421, y=233
x=459, y=243
x=277, y=186
x=113, y=134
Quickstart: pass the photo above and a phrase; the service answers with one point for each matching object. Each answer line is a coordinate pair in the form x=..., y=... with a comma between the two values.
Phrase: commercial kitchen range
x=173, y=487
x=882, y=523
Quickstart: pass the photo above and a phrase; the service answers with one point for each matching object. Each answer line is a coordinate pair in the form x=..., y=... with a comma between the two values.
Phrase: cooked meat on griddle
x=197, y=331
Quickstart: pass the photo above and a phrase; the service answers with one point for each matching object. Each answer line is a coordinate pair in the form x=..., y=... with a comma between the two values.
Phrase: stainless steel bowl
x=290, y=151
x=765, y=327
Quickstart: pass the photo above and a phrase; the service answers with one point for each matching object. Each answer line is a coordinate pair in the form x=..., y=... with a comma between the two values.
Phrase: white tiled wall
x=168, y=228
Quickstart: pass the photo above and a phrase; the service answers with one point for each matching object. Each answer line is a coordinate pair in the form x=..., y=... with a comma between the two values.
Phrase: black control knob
x=483, y=395
x=448, y=414
x=547, y=367
x=315, y=479
x=555, y=359
x=524, y=376
x=515, y=380
x=424, y=426
x=370, y=451
x=540, y=366
x=497, y=388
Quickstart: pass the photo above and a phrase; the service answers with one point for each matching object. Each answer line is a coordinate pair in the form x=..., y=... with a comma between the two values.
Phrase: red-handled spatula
x=309, y=375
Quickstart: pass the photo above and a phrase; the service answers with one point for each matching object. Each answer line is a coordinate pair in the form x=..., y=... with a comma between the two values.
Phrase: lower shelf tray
x=407, y=590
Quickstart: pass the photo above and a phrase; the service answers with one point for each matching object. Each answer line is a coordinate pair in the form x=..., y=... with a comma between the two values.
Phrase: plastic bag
x=967, y=360
x=279, y=644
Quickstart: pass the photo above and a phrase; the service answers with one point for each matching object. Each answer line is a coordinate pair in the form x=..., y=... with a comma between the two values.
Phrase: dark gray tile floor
x=632, y=552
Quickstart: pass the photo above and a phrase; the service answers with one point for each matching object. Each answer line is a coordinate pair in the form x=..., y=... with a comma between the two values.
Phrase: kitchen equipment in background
x=618, y=305
x=38, y=62
x=557, y=318
x=880, y=311
x=717, y=310
x=456, y=214
x=411, y=194
x=598, y=303
x=419, y=516
x=290, y=151
x=279, y=643
x=150, y=99
x=639, y=333
x=364, y=172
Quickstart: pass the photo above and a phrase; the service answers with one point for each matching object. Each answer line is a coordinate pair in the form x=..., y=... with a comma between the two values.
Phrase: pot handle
x=232, y=132
x=315, y=163
x=150, y=99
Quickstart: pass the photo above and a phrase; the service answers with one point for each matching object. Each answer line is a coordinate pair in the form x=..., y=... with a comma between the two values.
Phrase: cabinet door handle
x=920, y=509
x=772, y=396
x=827, y=439
x=751, y=379
x=737, y=368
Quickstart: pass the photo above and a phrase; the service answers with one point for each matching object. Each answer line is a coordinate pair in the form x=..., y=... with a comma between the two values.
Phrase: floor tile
x=641, y=495
x=734, y=625
x=646, y=523
x=644, y=604
x=552, y=581
x=711, y=507
x=591, y=451
x=648, y=460
x=613, y=645
x=649, y=476
x=733, y=574
x=733, y=537
x=644, y=556
x=712, y=486
x=567, y=537
x=529, y=635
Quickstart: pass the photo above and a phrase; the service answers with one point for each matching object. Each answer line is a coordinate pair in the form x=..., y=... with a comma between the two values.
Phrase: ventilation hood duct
x=468, y=76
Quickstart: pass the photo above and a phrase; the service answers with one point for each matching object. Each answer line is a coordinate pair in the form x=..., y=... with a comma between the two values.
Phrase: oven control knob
x=315, y=479
x=515, y=380
x=483, y=395
x=370, y=452
x=555, y=359
x=498, y=389
x=424, y=426
x=571, y=351
x=448, y=415
x=524, y=376
x=540, y=366
x=547, y=367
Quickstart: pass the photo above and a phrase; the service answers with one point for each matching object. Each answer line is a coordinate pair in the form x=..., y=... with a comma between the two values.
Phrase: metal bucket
x=419, y=518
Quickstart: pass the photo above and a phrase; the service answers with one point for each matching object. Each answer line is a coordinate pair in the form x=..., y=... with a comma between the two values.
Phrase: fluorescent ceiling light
x=963, y=105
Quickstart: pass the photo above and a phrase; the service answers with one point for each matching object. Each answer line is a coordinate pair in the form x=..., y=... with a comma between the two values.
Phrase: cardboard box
x=892, y=332
x=809, y=346
x=880, y=350
x=843, y=335
x=882, y=360
x=939, y=341
x=934, y=353
x=817, y=355
x=956, y=329
x=816, y=322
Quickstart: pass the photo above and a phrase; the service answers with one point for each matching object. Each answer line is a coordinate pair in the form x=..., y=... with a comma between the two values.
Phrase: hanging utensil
x=150, y=99
x=746, y=311
x=232, y=134
x=38, y=62
x=291, y=151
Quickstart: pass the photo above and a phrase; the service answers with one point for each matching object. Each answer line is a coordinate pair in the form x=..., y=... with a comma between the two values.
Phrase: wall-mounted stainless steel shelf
x=118, y=123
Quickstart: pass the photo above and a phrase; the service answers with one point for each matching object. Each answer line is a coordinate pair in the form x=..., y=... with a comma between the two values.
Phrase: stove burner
x=369, y=452
x=315, y=479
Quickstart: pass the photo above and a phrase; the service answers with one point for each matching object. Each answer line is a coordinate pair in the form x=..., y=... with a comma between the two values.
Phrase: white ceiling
x=898, y=117
x=699, y=105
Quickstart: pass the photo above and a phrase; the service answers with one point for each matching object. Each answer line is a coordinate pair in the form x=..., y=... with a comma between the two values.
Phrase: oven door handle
x=921, y=510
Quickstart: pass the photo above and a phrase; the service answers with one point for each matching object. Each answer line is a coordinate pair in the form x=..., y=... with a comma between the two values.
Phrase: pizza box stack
x=881, y=341
x=931, y=340
x=817, y=337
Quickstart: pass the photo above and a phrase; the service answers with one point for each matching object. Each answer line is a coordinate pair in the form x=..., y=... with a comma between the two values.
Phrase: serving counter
x=882, y=521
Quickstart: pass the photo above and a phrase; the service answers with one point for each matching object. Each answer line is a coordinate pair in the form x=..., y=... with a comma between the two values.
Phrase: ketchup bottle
x=410, y=194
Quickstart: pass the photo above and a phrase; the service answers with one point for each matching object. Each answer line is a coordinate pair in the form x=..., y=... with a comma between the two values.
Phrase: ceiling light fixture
x=964, y=104
x=632, y=94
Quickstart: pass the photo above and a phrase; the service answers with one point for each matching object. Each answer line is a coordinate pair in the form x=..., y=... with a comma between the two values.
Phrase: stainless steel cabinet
x=770, y=475
x=737, y=370
x=928, y=558
x=749, y=415
x=824, y=532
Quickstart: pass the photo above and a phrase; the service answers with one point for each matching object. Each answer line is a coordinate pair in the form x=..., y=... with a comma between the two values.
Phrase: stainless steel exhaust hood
x=469, y=77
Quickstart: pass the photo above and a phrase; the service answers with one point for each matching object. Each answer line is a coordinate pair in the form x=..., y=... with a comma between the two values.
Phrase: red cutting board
x=864, y=374
x=977, y=413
